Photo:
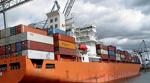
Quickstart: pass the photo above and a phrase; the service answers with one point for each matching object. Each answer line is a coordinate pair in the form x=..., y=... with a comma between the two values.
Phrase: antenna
x=9, y=4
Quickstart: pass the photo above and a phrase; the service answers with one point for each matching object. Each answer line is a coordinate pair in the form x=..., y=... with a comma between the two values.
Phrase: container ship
x=61, y=54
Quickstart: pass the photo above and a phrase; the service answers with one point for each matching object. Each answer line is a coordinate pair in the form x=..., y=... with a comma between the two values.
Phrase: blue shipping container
x=52, y=31
x=111, y=53
x=18, y=47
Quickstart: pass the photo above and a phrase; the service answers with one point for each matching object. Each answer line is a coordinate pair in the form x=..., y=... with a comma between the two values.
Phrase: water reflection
x=144, y=77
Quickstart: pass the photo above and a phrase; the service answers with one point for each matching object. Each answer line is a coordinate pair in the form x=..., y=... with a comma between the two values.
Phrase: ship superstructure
x=87, y=35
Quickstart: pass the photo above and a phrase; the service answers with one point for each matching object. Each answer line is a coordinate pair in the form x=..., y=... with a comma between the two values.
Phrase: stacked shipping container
x=127, y=56
x=118, y=55
x=64, y=44
x=112, y=52
x=25, y=40
x=37, y=43
x=102, y=51
x=122, y=56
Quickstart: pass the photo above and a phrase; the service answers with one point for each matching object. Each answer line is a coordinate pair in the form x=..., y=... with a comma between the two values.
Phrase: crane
x=56, y=4
x=142, y=49
x=68, y=6
x=6, y=5
x=144, y=54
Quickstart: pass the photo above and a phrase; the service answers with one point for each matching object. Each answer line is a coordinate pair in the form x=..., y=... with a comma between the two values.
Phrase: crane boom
x=8, y=4
x=68, y=7
x=55, y=4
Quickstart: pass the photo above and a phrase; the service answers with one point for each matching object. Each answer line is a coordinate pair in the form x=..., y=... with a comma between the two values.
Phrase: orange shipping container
x=64, y=44
x=23, y=28
x=64, y=38
x=65, y=51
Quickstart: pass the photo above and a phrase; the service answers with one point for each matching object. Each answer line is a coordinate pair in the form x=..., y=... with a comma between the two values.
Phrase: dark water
x=144, y=77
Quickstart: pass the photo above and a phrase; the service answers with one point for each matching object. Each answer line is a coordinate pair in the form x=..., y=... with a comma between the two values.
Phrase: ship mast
x=6, y=5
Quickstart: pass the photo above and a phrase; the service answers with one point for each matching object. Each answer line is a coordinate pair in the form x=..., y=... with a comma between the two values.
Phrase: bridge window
x=51, y=21
x=14, y=66
x=56, y=26
x=51, y=26
x=56, y=19
x=3, y=67
x=50, y=66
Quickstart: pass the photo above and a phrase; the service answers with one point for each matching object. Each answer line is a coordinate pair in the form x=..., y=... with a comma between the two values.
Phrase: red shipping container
x=104, y=57
x=100, y=46
x=130, y=58
x=127, y=55
x=23, y=28
x=112, y=58
x=13, y=48
x=8, y=49
x=2, y=50
x=64, y=38
x=65, y=51
x=32, y=45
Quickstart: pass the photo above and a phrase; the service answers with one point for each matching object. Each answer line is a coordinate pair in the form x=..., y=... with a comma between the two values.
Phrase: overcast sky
x=124, y=23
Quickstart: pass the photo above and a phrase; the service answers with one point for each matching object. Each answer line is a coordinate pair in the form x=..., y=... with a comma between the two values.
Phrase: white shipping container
x=3, y=32
x=27, y=36
x=13, y=39
x=0, y=34
x=7, y=40
x=33, y=54
x=122, y=56
x=118, y=57
x=2, y=42
x=7, y=30
x=102, y=51
x=36, y=37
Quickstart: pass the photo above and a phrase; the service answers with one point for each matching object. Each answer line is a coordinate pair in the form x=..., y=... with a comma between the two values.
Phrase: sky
x=123, y=23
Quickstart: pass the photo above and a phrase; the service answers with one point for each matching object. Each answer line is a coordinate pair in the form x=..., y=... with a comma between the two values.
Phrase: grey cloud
x=109, y=24
x=141, y=5
x=136, y=3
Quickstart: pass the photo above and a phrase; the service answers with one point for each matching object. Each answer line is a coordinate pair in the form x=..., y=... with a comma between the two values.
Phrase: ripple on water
x=144, y=77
